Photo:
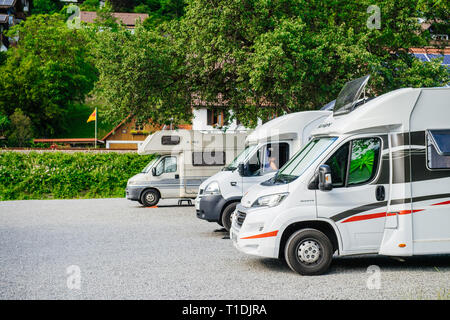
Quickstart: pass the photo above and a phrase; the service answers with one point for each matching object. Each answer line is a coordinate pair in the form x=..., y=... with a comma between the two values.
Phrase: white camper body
x=373, y=180
x=184, y=159
x=276, y=140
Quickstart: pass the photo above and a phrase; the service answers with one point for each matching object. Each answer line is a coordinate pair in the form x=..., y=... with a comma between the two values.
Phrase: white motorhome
x=185, y=158
x=375, y=178
x=268, y=148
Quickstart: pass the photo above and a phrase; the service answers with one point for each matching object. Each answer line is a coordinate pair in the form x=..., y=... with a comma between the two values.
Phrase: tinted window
x=170, y=140
x=364, y=160
x=438, y=149
x=338, y=165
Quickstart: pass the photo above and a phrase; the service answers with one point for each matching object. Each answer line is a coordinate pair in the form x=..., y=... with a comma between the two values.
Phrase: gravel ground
x=124, y=251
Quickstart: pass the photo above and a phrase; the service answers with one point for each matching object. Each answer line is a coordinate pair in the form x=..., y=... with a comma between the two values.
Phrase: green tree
x=21, y=130
x=280, y=56
x=46, y=6
x=258, y=58
x=141, y=73
x=90, y=5
x=46, y=72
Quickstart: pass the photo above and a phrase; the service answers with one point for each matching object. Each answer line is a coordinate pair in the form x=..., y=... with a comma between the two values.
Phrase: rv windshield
x=150, y=165
x=303, y=159
x=240, y=158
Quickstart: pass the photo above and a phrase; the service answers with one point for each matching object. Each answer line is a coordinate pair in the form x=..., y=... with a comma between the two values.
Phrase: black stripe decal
x=367, y=207
x=354, y=211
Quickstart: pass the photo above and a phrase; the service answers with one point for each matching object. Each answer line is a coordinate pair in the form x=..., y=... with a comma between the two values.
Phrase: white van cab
x=375, y=178
x=185, y=158
x=267, y=149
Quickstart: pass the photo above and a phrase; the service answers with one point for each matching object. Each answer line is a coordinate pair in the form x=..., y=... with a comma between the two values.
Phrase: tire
x=226, y=215
x=150, y=198
x=308, y=252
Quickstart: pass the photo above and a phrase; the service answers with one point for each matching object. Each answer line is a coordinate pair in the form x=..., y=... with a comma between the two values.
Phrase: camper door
x=166, y=176
x=430, y=172
x=357, y=202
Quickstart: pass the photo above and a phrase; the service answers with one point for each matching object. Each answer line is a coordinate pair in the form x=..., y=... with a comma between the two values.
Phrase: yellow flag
x=92, y=117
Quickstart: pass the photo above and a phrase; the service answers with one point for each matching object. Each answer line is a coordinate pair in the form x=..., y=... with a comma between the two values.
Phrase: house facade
x=129, y=133
x=12, y=12
x=128, y=19
x=213, y=119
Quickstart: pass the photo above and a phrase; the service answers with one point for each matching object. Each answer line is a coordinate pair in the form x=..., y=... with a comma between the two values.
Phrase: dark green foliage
x=46, y=6
x=46, y=72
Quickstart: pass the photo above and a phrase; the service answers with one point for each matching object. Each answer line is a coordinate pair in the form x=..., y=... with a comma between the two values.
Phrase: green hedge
x=59, y=175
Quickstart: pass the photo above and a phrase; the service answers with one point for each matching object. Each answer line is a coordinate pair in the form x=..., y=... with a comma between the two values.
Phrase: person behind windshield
x=273, y=163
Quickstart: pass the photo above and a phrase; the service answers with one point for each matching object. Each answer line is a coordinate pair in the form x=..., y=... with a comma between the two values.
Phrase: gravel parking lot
x=123, y=251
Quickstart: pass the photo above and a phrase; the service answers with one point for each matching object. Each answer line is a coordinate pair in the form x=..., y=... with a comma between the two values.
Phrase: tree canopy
x=252, y=58
x=47, y=71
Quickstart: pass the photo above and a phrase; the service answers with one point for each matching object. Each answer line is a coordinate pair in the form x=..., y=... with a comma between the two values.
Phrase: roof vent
x=349, y=96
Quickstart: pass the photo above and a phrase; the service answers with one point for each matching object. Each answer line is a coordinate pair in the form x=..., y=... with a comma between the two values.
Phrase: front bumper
x=252, y=234
x=133, y=192
x=209, y=207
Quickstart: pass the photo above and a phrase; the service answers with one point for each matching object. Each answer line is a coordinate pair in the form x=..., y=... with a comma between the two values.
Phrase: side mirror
x=153, y=171
x=325, y=183
x=241, y=169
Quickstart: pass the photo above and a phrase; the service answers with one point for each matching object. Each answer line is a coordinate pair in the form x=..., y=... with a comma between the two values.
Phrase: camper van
x=374, y=179
x=185, y=158
x=268, y=148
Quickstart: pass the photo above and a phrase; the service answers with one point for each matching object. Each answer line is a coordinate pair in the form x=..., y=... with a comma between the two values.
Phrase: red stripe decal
x=365, y=217
x=378, y=215
x=263, y=235
x=441, y=203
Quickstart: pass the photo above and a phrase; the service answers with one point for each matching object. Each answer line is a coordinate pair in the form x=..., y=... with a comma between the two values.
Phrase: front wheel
x=309, y=252
x=150, y=198
x=226, y=215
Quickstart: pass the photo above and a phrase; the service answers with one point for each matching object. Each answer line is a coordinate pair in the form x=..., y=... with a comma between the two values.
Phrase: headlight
x=212, y=188
x=132, y=182
x=271, y=200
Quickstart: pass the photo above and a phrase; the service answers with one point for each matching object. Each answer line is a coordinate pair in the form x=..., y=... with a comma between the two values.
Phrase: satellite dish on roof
x=349, y=95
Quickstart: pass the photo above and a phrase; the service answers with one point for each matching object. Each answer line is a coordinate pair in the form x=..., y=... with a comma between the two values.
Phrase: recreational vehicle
x=268, y=148
x=185, y=158
x=375, y=178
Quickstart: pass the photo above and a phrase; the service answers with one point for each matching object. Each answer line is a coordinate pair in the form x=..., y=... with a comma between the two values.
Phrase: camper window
x=166, y=165
x=338, y=165
x=365, y=154
x=170, y=140
x=274, y=156
x=364, y=160
x=208, y=158
x=438, y=149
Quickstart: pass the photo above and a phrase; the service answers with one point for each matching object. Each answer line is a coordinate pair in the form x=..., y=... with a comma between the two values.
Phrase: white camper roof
x=172, y=141
x=388, y=112
x=286, y=127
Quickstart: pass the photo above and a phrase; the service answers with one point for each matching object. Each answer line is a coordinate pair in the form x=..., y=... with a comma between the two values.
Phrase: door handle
x=380, y=193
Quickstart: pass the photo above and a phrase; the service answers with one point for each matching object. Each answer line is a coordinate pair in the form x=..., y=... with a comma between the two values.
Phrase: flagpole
x=96, y=116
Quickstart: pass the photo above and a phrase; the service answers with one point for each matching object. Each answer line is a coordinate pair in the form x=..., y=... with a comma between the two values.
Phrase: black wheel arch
x=320, y=225
x=229, y=201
